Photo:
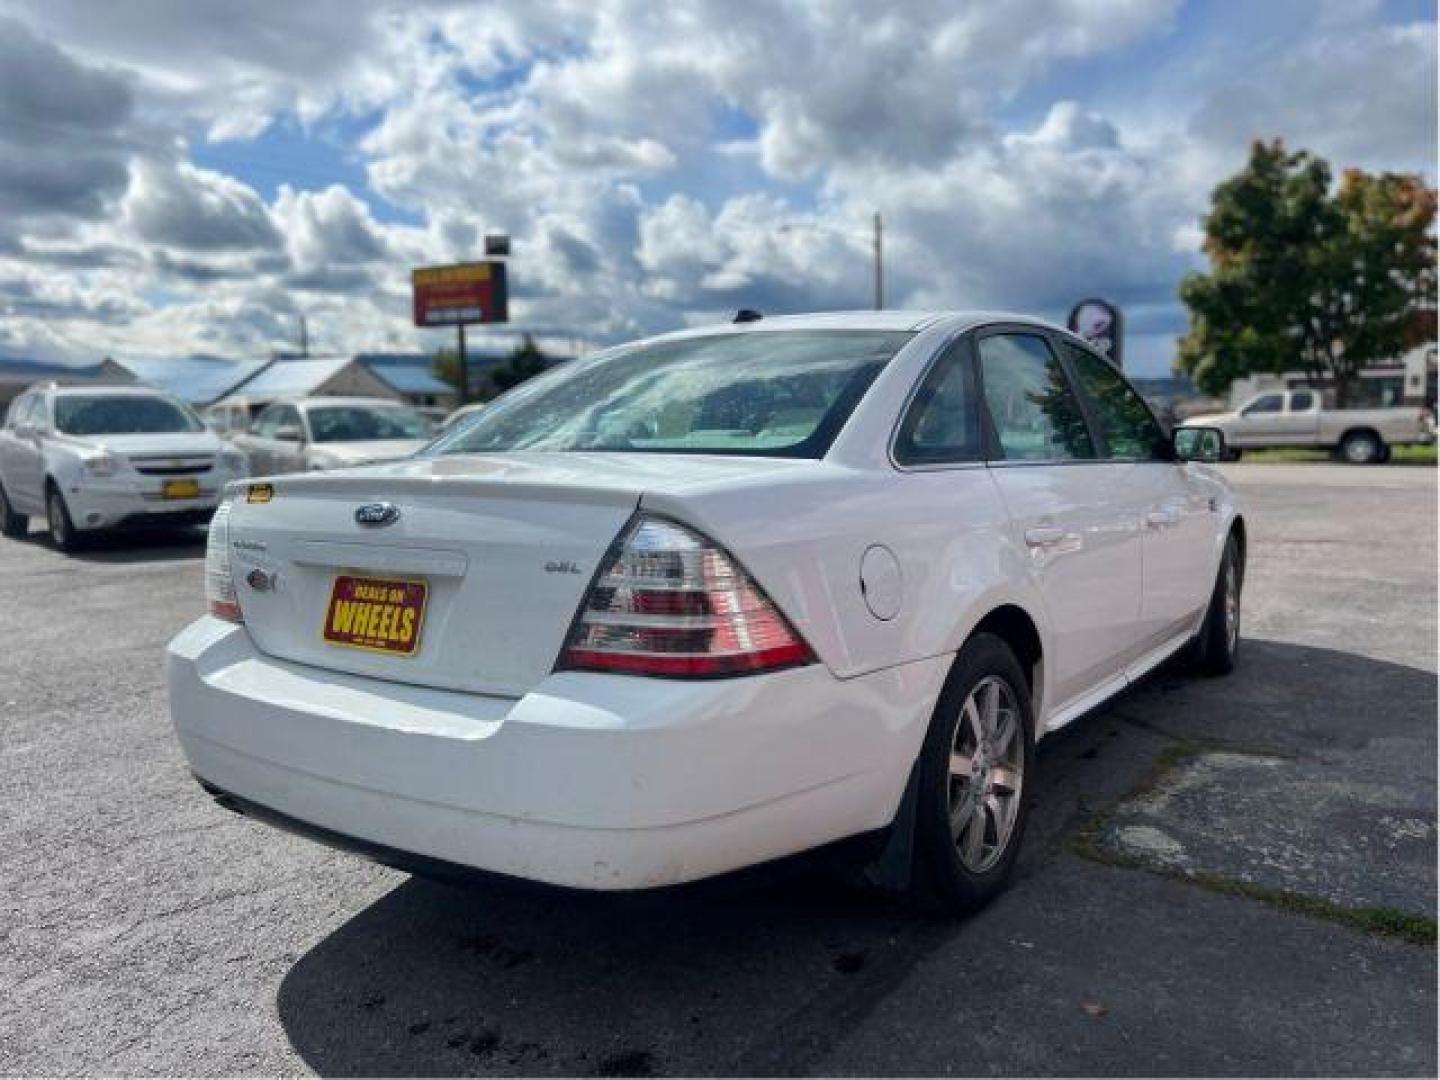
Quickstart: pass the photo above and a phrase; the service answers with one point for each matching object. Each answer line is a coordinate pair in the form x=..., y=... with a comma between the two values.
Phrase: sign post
x=458, y=295
x=1102, y=324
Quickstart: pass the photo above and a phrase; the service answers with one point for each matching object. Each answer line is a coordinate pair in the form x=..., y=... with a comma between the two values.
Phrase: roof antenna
x=746, y=314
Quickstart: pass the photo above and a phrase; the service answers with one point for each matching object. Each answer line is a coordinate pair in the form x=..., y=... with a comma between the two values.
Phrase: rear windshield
x=776, y=393
x=122, y=415
x=357, y=423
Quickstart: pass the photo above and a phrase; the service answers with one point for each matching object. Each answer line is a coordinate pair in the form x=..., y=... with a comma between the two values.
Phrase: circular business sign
x=1100, y=323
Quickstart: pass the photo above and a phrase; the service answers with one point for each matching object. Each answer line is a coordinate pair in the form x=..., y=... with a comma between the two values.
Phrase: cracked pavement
x=144, y=930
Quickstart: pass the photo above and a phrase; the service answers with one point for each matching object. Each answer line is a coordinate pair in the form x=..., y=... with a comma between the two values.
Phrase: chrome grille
x=171, y=465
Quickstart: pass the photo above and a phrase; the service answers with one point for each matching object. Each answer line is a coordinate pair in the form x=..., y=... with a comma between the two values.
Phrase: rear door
x=1066, y=509
x=1166, y=496
x=1299, y=424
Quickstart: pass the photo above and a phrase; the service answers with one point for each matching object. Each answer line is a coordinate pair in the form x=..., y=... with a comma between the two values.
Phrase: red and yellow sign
x=463, y=293
x=375, y=614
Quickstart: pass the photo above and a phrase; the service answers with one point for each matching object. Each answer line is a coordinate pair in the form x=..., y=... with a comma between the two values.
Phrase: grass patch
x=1382, y=921
x=1399, y=455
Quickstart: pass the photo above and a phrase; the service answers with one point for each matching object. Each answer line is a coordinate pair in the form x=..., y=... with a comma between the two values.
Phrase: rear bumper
x=590, y=781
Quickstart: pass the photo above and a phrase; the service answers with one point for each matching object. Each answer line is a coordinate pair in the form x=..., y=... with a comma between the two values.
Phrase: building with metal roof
x=412, y=376
x=199, y=380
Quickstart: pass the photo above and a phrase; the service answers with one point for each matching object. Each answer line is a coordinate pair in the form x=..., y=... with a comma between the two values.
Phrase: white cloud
x=655, y=163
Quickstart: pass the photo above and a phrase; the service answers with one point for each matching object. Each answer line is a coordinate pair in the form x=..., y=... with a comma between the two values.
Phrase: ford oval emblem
x=381, y=513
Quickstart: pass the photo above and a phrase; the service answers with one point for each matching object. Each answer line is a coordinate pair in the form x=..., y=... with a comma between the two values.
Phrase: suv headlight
x=101, y=465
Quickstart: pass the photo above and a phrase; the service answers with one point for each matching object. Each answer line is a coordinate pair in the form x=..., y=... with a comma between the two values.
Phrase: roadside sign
x=1101, y=324
x=460, y=293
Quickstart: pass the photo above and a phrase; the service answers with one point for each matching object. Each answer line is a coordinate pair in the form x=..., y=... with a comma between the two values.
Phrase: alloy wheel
x=987, y=766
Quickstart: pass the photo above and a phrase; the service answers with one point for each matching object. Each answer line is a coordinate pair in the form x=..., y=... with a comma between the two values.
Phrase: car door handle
x=1162, y=519
x=1044, y=536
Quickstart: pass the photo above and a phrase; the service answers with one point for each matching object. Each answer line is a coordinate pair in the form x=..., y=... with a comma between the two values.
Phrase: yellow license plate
x=377, y=614
x=180, y=489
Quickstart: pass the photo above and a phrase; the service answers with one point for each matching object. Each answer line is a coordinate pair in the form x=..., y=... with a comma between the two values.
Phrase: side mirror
x=289, y=433
x=1205, y=444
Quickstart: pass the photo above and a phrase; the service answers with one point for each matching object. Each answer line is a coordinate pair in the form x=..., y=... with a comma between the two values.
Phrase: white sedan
x=712, y=599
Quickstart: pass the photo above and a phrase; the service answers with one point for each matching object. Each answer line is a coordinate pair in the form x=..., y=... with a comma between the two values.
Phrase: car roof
x=913, y=321
x=324, y=399
x=108, y=390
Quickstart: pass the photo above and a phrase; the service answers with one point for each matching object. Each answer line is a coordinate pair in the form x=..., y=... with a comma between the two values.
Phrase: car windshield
x=775, y=393
x=357, y=423
x=119, y=414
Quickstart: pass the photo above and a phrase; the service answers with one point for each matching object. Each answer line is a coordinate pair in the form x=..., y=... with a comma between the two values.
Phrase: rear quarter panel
x=803, y=539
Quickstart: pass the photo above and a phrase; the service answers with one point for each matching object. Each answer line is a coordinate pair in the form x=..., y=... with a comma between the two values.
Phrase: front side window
x=1270, y=403
x=19, y=411
x=781, y=393
x=269, y=420
x=943, y=422
x=359, y=423
x=1035, y=413
x=122, y=415
x=1130, y=428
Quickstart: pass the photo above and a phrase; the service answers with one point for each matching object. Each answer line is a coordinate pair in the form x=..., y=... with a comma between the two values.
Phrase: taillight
x=668, y=601
x=219, y=584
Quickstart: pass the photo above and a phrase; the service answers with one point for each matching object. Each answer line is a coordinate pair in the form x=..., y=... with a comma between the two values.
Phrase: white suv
x=91, y=458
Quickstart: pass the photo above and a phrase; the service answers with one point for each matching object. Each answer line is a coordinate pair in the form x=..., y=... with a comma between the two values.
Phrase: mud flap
x=893, y=868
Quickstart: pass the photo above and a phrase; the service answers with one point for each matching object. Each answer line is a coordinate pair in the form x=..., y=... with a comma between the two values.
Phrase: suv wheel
x=12, y=524
x=972, y=803
x=57, y=516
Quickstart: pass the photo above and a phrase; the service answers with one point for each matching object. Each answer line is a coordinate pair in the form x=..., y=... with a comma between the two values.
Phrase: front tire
x=972, y=802
x=1219, y=639
x=57, y=516
x=12, y=525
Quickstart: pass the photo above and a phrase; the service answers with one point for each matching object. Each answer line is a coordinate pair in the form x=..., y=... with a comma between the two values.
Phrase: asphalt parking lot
x=1233, y=876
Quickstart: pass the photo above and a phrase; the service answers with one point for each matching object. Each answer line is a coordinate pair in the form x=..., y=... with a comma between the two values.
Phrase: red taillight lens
x=219, y=583
x=670, y=602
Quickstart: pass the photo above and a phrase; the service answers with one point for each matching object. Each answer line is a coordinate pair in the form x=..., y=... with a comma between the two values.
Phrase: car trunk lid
x=503, y=552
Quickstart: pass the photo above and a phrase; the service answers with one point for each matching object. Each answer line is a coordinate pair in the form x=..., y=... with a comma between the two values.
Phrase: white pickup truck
x=1299, y=418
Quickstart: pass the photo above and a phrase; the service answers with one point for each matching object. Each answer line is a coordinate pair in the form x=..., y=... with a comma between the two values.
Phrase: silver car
x=308, y=434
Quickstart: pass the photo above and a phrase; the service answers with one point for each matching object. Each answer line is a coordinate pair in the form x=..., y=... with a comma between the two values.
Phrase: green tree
x=1305, y=277
x=526, y=360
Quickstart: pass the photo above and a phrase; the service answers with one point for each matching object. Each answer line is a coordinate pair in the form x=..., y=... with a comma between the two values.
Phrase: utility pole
x=464, y=366
x=304, y=337
x=879, y=263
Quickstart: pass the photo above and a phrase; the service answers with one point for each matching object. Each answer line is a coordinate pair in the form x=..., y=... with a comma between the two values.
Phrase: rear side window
x=1130, y=429
x=1301, y=401
x=1035, y=413
x=943, y=422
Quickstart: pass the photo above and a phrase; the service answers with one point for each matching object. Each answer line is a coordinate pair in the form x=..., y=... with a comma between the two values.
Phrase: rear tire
x=972, y=801
x=12, y=524
x=57, y=516
x=1362, y=448
x=1215, y=647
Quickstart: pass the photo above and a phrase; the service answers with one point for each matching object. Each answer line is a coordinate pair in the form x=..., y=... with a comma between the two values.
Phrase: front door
x=1082, y=543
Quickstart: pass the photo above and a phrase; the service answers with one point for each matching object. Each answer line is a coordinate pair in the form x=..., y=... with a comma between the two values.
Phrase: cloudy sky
x=188, y=176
